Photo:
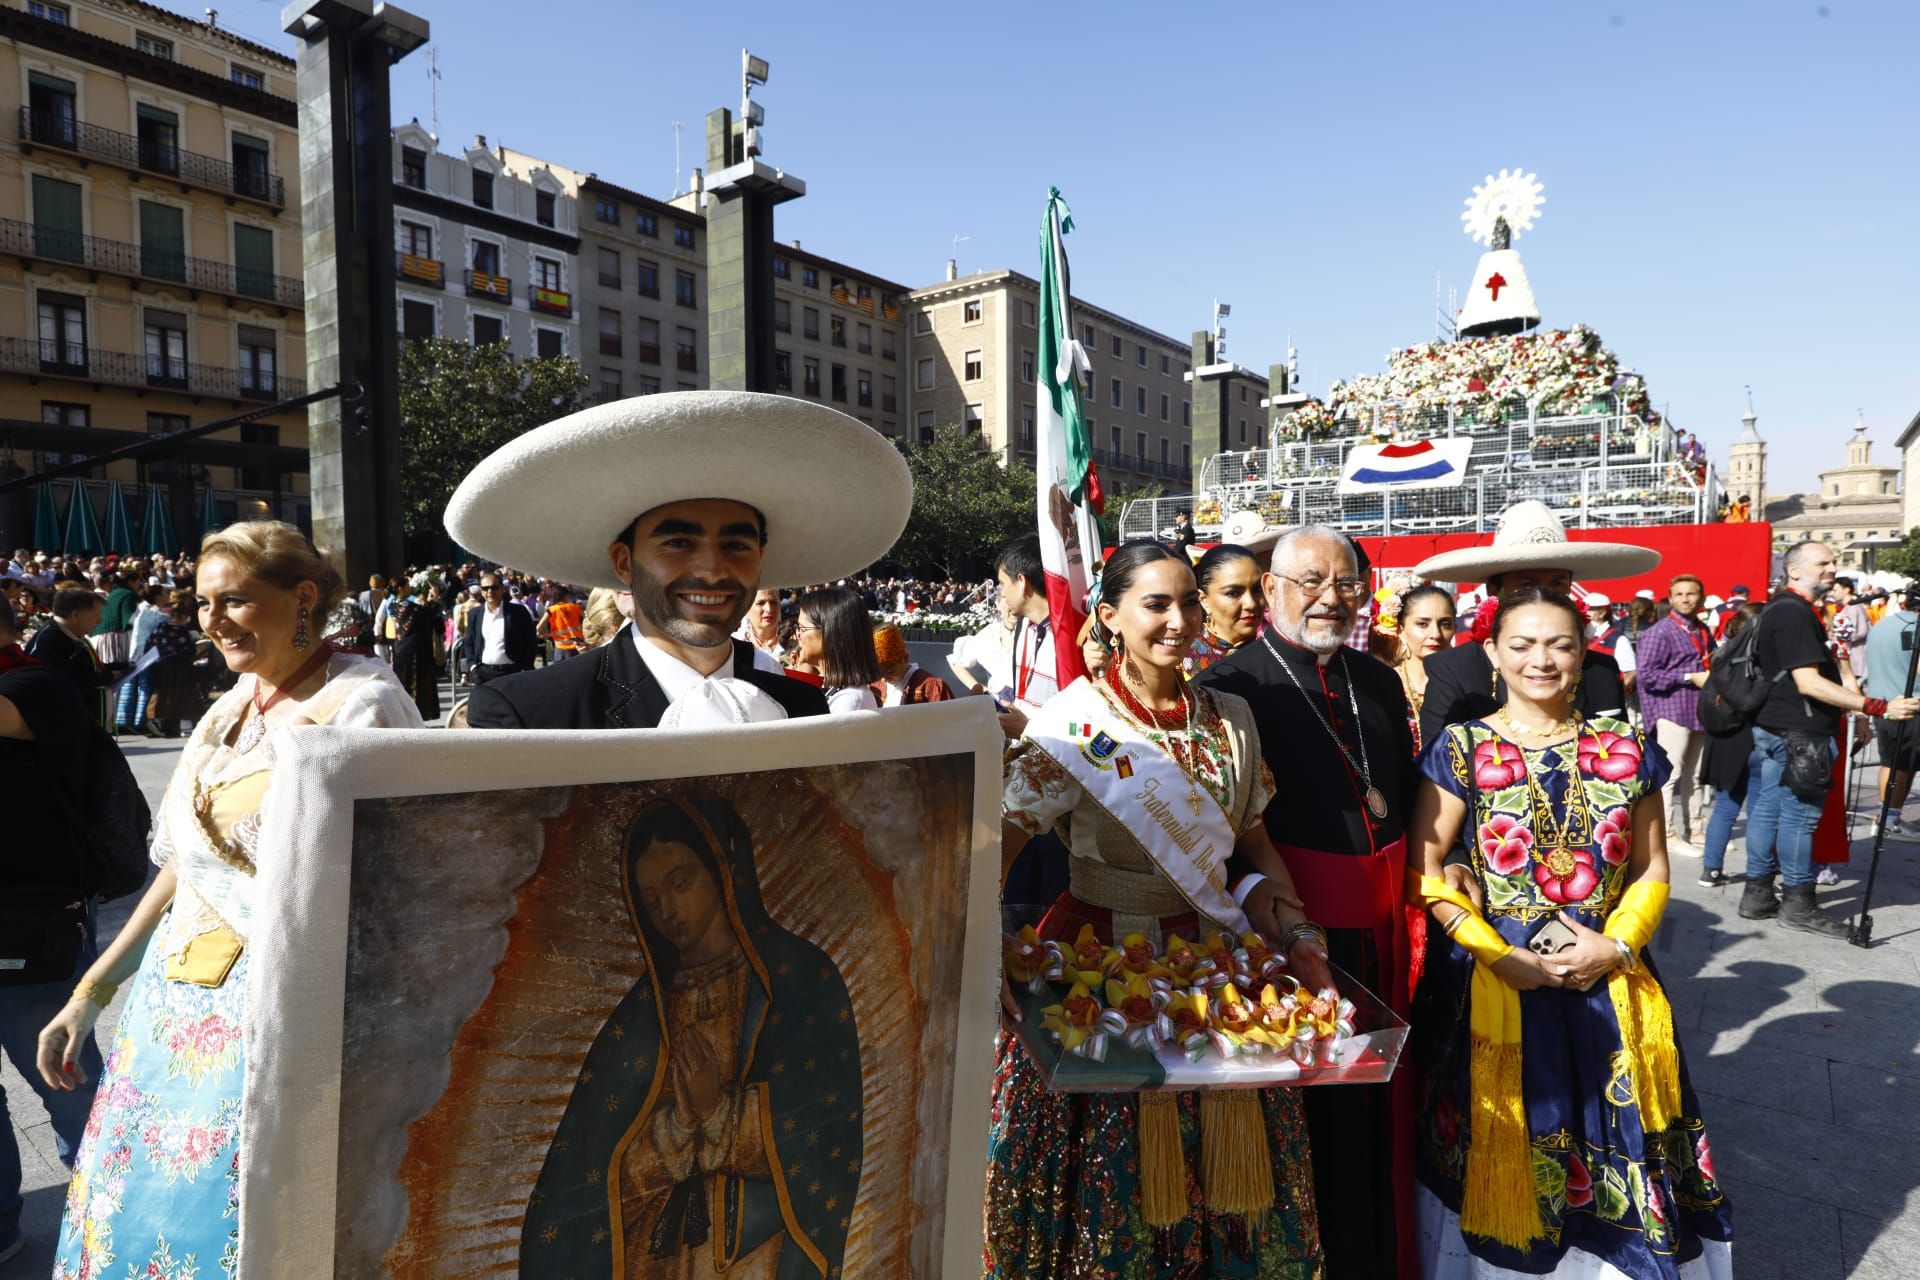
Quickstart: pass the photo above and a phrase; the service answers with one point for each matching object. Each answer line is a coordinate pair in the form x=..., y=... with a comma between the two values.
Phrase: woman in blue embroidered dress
x=1559, y=1133
x=1114, y=1186
x=155, y=1188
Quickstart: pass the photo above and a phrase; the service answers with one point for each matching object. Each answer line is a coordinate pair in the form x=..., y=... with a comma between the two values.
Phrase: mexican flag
x=1069, y=487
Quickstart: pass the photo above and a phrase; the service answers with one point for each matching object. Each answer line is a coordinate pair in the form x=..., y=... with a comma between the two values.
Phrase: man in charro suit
x=699, y=517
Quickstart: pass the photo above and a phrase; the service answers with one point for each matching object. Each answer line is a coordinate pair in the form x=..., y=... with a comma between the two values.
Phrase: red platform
x=1719, y=554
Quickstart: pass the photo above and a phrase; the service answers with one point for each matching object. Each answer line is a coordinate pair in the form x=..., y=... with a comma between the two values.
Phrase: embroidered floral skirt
x=1063, y=1190
x=155, y=1188
x=1611, y=1195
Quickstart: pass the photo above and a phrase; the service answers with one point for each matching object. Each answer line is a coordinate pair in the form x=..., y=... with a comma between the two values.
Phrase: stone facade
x=151, y=277
x=488, y=244
x=1858, y=507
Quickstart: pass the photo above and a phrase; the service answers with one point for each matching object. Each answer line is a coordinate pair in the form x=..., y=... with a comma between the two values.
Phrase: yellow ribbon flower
x=1073, y=1019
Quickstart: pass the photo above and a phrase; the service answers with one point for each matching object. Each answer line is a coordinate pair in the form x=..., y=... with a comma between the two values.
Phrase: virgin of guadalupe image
x=715, y=1127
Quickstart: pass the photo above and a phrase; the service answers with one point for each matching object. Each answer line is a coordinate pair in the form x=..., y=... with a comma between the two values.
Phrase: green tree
x=1903, y=559
x=965, y=504
x=458, y=404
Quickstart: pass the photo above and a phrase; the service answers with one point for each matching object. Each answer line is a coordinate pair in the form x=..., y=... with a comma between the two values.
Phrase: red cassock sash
x=1367, y=891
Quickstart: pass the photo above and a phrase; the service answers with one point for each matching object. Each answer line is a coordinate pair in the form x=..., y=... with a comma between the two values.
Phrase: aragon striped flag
x=1069, y=486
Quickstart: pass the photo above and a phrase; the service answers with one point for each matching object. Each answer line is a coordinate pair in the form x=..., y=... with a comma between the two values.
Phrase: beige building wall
x=118, y=107
x=859, y=327
x=1139, y=405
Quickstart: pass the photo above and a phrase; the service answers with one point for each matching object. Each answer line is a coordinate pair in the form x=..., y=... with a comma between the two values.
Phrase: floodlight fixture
x=756, y=114
x=1225, y=309
x=752, y=68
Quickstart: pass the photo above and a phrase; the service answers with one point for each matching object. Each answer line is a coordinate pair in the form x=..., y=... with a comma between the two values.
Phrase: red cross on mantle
x=1496, y=282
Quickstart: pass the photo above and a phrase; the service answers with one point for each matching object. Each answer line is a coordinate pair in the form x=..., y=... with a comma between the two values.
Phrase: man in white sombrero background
x=678, y=498
x=1529, y=548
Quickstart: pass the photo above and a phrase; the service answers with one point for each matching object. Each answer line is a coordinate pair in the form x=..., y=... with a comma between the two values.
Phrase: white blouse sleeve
x=1038, y=793
x=378, y=704
x=856, y=698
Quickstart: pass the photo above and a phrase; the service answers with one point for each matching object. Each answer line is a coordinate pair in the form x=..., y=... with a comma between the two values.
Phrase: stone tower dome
x=1747, y=465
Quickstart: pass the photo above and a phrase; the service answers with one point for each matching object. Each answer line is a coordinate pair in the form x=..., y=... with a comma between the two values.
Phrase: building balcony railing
x=687, y=361
x=610, y=344
x=92, y=142
x=553, y=301
x=648, y=353
x=144, y=262
x=482, y=285
x=126, y=369
x=415, y=269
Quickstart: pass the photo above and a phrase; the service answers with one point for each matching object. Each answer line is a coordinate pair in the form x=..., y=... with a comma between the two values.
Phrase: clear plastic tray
x=1368, y=1056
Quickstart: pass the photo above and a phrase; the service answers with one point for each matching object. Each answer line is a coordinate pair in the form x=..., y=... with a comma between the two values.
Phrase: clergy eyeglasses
x=1346, y=588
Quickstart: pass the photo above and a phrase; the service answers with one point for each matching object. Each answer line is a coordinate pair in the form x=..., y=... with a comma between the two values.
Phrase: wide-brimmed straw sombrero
x=1250, y=529
x=834, y=492
x=1530, y=536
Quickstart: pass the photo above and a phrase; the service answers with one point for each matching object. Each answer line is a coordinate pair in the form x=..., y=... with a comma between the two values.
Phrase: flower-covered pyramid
x=1554, y=371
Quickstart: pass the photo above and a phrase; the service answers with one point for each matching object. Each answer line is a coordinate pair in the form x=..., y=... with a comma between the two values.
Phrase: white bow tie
x=720, y=700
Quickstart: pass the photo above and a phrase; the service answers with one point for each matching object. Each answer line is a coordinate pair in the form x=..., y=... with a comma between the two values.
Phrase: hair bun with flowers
x=1388, y=602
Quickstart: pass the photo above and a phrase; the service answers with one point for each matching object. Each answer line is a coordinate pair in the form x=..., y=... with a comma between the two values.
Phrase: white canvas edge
x=297, y=983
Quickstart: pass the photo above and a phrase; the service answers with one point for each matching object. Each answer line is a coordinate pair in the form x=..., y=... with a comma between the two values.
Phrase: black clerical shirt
x=1319, y=799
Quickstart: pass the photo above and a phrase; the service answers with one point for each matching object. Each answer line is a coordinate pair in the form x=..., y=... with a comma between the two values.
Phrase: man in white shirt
x=1023, y=592
x=499, y=632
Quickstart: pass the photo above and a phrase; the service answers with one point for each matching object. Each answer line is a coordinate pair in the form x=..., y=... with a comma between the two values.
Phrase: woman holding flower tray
x=1558, y=1132
x=1152, y=783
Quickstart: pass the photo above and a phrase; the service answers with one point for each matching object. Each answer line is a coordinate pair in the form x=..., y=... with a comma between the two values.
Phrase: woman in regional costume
x=1229, y=578
x=1409, y=623
x=1151, y=1184
x=700, y=1139
x=1559, y=1134
x=155, y=1188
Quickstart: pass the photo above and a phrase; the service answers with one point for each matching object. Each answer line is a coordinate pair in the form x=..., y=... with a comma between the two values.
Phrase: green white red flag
x=1068, y=485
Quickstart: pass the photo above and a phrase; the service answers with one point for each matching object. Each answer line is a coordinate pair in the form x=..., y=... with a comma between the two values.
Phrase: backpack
x=1736, y=687
x=114, y=821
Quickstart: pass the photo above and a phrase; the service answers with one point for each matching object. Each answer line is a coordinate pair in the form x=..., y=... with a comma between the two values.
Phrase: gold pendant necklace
x=1557, y=729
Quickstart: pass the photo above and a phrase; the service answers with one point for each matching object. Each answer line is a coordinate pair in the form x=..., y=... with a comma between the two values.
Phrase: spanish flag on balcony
x=1069, y=487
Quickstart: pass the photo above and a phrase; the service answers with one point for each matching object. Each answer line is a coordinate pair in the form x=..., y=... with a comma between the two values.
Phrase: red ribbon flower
x=1505, y=843
x=1497, y=763
x=1566, y=875
x=1614, y=834
x=1579, y=1182
x=1609, y=755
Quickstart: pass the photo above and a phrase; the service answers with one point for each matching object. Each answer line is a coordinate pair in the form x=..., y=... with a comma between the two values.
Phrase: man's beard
x=1320, y=644
x=653, y=602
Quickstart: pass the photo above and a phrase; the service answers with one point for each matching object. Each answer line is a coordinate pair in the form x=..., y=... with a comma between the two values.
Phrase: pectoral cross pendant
x=1193, y=798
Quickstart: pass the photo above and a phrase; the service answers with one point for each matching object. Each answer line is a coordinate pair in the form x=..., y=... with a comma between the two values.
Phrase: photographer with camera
x=1889, y=653
x=1794, y=734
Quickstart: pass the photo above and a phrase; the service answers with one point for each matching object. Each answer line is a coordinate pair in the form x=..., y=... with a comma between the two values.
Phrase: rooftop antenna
x=956, y=250
x=433, y=85
x=678, y=125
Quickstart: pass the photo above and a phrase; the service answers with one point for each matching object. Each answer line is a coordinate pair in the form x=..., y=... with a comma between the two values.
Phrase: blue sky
x=1729, y=186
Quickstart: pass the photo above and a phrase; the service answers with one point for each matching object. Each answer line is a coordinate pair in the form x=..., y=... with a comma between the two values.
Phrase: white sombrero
x=834, y=492
x=1530, y=536
x=1250, y=529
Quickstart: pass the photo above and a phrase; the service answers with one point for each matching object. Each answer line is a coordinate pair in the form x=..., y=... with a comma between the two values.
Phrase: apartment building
x=488, y=247
x=840, y=336
x=972, y=359
x=151, y=277
x=642, y=286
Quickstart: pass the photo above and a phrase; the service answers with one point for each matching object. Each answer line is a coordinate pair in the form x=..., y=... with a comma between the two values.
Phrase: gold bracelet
x=1454, y=923
x=101, y=993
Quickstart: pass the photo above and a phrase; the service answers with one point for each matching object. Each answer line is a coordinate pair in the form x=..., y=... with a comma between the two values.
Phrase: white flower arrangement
x=1555, y=372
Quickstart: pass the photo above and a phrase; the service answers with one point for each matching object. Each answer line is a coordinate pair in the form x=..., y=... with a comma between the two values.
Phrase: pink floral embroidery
x=1505, y=843
x=1566, y=875
x=1613, y=833
x=1497, y=764
x=1703, y=1156
x=1609, y=755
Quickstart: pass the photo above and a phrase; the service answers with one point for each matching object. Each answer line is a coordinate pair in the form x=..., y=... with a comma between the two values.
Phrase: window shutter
x=253, y=261
x=56, y=219
x=163, y=243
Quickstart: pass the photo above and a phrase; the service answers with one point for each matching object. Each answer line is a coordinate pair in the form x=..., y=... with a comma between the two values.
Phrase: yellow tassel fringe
x=1498, y=1201
x=1236, y=1165
x=1163, y=1168
x=1646, y=1038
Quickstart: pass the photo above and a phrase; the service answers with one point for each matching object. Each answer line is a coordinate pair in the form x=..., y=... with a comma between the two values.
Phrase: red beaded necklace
x=1183, y=731
x=1140, y=710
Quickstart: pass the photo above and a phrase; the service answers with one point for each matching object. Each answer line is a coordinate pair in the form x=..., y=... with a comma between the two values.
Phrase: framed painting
x=661, y=1004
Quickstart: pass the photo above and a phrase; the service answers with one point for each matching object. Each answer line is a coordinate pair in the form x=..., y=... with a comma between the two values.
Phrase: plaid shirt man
x=1664, y=655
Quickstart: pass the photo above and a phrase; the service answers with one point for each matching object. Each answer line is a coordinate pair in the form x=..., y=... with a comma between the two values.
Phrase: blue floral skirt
x=155, y=1188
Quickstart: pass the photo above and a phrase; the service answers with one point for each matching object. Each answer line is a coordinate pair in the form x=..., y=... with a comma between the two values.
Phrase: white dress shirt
x=699, y=701
x=493, y=637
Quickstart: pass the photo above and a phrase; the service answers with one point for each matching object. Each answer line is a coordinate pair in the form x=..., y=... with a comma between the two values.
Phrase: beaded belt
x=1138, y=893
